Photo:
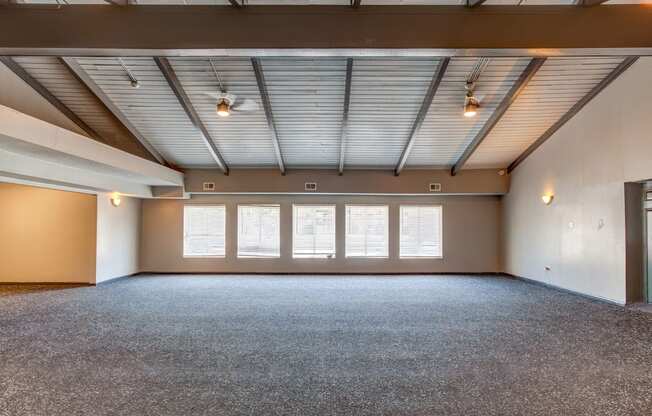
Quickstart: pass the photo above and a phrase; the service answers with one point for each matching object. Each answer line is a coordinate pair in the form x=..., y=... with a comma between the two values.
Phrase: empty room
x=325, y=207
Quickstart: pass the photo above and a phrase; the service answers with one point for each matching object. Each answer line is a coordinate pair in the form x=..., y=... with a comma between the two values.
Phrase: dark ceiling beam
x=184, y=100
x=81, y=75
x=269, y=115
x=97, y=30
x=126, y=131
x=437, y=77
x=627, y=62
x=345, y=113
x=589, y=3
x=511, y=96
x=49, y=97
x=474, y=3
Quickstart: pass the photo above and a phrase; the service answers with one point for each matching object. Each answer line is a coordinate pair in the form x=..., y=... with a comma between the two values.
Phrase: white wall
x=585, y=164
x=118, y=237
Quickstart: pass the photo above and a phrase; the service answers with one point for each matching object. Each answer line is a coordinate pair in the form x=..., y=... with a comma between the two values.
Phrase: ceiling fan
x=227, y=102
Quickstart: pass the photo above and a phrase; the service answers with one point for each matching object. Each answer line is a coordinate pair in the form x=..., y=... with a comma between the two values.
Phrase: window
x=421, y=231
x=258, y=231
x=366, y=231
x=203, y=231
x=313, y=231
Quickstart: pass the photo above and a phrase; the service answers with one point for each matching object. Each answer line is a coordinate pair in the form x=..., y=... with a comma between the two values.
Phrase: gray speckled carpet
x=262, y=345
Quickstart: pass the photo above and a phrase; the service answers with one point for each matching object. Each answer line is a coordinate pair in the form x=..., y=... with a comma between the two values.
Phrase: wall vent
x=310, y=186
x=209, y=186
x=435, y=187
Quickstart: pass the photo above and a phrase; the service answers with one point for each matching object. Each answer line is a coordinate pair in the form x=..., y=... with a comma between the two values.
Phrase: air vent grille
x=434, y=187
x=209, y=186
x=310, y=186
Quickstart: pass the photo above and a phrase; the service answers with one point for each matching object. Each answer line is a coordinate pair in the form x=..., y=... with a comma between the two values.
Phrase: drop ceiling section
x=558, y=85
x=153, y=108
x=445, y=132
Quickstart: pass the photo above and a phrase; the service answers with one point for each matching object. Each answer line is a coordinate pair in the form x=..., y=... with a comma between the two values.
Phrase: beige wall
x=46, y=235
x=410, y=181
x=581, y=235
x=118, y=237
x=471, y=232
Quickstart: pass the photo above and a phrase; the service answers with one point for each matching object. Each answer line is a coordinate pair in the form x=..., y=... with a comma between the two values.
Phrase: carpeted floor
x=261, y=345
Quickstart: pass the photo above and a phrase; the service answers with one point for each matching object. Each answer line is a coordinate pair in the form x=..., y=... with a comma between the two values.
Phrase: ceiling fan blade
x=247, y=106
x=216, y=95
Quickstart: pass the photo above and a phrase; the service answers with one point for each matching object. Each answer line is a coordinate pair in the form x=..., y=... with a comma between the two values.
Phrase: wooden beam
x=627, y=62
x=97, y=30
x=437, y=77
x=345, y=113
x=269, y=115
x=498, y=113
x=74, y=67
x=184, y=100
x=49, y=97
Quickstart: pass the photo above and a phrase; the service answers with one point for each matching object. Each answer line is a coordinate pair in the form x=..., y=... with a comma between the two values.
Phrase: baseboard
x=114, y=279
x=46, y=284
x=562, y=289
x=328, y=273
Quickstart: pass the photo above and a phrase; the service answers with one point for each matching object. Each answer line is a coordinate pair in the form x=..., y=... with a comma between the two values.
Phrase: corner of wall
x=118, y=237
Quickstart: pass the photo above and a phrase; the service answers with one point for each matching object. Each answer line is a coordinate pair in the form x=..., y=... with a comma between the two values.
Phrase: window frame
x=294, y=224
x=183, y=232
x=237, y=248
x=346, y=233
x=441, y=229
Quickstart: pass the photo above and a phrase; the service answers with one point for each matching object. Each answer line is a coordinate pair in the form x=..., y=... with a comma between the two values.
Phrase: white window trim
x=315, y=257
x=387, y=233
x=237, y=234
x=183, y=231
x=441, y=229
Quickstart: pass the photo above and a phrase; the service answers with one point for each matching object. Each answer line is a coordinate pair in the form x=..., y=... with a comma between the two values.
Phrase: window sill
x=368, y=257
x=421, y=257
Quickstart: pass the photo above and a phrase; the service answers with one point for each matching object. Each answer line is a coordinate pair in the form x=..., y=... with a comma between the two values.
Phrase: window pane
x=258, y=231
x=313, y=231
x=203, y=230
x=367, y=231
x=421, y=231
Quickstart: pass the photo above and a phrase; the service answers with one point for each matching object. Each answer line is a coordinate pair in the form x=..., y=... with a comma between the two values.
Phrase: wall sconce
x=547, y=199
x=115, y=199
